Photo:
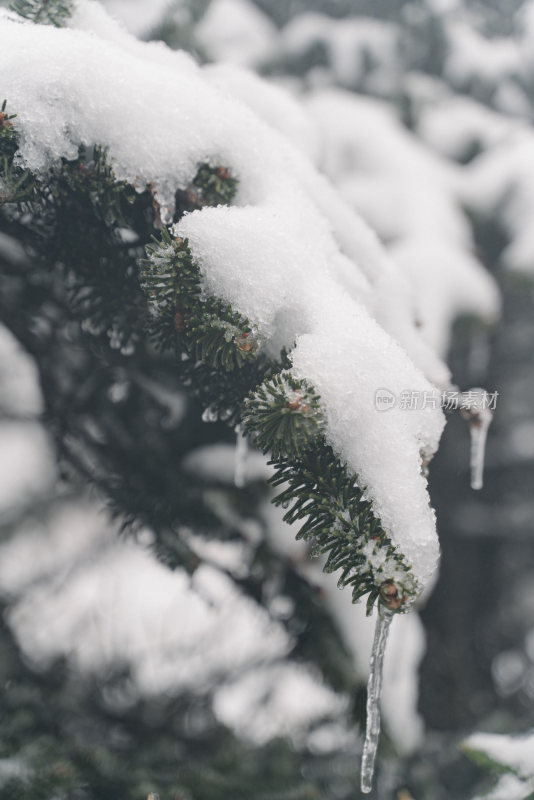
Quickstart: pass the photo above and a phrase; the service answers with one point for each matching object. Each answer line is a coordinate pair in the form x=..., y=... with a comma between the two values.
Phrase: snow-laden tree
x=170, y=258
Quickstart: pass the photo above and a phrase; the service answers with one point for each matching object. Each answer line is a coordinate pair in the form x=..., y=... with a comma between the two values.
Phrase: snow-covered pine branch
x=288, y=255
x=284, y=312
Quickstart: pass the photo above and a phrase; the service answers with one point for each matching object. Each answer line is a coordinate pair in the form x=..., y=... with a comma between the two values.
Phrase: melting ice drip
x=475, y=409
x=374, y=689
x=241, y=453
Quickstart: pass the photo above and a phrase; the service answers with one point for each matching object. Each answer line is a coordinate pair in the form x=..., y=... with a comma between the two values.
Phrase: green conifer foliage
x=127, y=303
x=111, y=305
x=282, y=415
x=204, y=329
x=74, y=295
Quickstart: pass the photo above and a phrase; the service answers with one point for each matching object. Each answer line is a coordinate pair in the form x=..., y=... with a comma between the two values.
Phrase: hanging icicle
x=479, y=430
x=241, y=453
x=476, y=408
x=374, y=689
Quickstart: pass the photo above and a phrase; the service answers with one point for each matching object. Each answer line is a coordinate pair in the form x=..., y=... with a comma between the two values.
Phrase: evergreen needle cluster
x=219, y=353
x=128, y=302
x=282, y=415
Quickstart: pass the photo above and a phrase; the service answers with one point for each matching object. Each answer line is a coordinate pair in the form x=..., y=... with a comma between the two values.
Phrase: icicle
x=241, y=452
x=374, y=688
x=478, y=428
x=476, y=410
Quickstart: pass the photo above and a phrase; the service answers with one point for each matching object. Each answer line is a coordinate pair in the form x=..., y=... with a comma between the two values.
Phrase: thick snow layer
x=91, y=17
x=236, y=31
x=338, y=347
x=411, y=197
x=290, y=255
x=458, y=124
x=359, y=50
x=363, y=142
x=335, y=357
x=448, y=281
x=472, y=57
x=271, y=103
x=500, y=183
x=514, y=752
x=139, y=16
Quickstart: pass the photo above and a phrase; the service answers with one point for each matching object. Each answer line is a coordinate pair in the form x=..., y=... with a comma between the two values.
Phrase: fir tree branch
x=340, y=524
x=284, y=418
x=219, y=355
x=179, y=316
x=211, y=186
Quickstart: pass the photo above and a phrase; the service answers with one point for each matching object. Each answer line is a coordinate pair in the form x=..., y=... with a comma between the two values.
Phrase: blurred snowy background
x=421, y=115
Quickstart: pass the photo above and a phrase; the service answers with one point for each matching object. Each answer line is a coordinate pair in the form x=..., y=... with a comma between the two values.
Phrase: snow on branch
x=289, y=257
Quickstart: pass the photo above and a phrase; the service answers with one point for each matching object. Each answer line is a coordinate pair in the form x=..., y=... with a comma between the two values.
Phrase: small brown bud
x=243, y=344
x=295, y=403
x=390, y=596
